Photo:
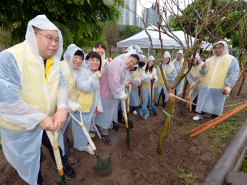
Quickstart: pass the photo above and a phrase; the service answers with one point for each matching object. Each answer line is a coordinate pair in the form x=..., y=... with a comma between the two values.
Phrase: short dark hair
x=79, y=53
x=217, y=44
x=135, y=56
x=94, y=55
x=100, y=45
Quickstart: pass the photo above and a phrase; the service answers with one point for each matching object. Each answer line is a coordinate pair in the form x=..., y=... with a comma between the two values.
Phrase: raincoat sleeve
x=233, y=73
x=62, y=93
x=12, y=108
x=190, y=78
x=203, y=71
x=115, y=70
x=156, y=76
x=86, y=84
x=146, y=77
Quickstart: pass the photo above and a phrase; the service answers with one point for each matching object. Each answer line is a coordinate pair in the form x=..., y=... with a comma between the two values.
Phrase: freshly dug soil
x=140, y=163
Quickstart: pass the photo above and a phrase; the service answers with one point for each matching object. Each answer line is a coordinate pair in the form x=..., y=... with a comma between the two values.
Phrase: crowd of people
x=40, y=92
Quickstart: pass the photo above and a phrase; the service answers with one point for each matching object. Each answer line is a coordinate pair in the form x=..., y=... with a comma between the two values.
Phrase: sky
x=148, y=4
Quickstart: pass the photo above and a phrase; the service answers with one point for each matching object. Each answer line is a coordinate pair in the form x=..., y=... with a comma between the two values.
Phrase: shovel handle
x=141, y=93
x=84, y=130
x=128, y=101
x=125, y=114
x=54, y=143
x=152, y=84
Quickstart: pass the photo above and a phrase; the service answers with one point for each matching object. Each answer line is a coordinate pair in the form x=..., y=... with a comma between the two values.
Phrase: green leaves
x=78, y=20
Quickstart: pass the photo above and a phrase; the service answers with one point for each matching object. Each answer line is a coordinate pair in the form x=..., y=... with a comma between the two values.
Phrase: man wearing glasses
x=32, y=86
x=221, y=72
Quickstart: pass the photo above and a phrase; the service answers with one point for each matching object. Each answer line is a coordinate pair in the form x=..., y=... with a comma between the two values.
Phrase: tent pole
x=148, y=50
x=117, y=51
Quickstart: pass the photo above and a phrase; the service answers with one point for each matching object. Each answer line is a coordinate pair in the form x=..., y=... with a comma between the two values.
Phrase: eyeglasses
x=50, y=38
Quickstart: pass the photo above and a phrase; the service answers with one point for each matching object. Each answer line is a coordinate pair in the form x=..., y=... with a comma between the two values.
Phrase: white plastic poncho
x=26, y=99
x=146, y=85
x=221, y=71
x=128, y=49
x=193, y=75
x=112, y=88
x=178, y=65
x=170, y=73
x=89, y=98
x=70, y=74
x=136, y=80
x=138, y=50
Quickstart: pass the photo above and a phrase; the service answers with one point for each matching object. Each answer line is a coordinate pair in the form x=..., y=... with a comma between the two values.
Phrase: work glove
x=97, y=74
x=154, y=76
x=151, y=77
x=141, y=79
x=125, y=97
x=72, y=106
x=126, y=85
x=227, y=90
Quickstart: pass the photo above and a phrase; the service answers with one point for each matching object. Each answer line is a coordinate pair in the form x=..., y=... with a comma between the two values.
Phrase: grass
x=244, y=165
x=187, y=179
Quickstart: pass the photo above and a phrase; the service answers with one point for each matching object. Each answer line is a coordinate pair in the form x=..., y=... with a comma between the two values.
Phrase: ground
x=184, y=160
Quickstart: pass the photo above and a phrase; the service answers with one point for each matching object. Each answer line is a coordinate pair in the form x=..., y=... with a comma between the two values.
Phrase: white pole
x=117, y=51
x=148, y=50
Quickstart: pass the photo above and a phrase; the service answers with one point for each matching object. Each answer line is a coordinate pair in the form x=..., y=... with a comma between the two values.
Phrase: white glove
x=154, y=77
x=126, y=85
x=72, y=106
x=141, y=79
x=155, y=86
x=228, y=90
x=97, y=74
x=151, y=77
x=125, y=97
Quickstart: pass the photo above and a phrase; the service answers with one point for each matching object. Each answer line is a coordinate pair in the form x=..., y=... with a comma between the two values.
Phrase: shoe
x=72, y=160
x=156, y=104
x=164, y=105
x=134, y=112
x=196, y=118
x=92, y=135
x=68, y=171
x=89, y=150
x=150, y=108
x=71, y=143
x=106, y=139
x=40, y=180
x=115, y=127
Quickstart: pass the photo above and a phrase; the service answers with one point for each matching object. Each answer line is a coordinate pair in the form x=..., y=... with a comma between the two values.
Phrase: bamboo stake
x=239, y=76
x=217, y=120
x=241, y=86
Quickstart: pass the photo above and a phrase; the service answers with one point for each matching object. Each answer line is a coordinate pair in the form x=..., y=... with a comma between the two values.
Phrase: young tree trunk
x=241, y=86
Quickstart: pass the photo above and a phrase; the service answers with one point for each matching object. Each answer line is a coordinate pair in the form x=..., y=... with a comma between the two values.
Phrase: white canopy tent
x=141, y=39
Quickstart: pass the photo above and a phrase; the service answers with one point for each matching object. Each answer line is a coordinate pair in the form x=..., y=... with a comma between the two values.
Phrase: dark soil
x=140, y=163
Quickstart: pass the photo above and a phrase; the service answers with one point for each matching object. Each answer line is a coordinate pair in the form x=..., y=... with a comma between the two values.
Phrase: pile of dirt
x=140, y=163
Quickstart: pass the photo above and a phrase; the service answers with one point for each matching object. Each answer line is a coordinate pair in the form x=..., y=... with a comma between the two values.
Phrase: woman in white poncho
x=170, y=73
x=221, y=72
x=112, y=88
x=148, y=74
x=88, y=93
x=73, y=58
x=195, y=79
x=178, y=63
x=136, y=79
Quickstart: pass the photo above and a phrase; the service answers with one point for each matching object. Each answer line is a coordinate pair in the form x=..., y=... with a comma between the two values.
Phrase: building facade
x=128, y=17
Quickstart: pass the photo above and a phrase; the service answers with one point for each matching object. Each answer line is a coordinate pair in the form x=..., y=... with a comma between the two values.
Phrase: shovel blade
x=144, y=113
x=183, y=106
x=153, y=109
x=104, y=167
x=128, y=137
x=130, y=122
x=62, y=178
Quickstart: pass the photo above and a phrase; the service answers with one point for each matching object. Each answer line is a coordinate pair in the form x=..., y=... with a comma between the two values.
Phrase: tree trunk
x=185, y=88
x=241, y=86
x=167, y=122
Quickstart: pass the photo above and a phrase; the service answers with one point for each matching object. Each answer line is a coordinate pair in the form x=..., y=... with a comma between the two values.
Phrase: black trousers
x=46, y=142
x=162, y=94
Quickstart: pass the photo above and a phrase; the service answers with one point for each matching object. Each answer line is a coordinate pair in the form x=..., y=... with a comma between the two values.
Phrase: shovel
x=103, y=167
x=126, y=123
x=54, y=143
x=130, y=122
x=143, y=111
x=152, y=104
